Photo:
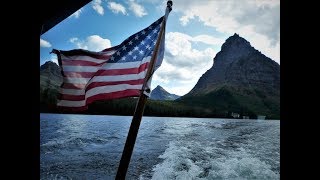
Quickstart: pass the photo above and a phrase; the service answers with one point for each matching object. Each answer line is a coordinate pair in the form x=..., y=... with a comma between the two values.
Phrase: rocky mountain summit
x=242, y=79
x=159, y=93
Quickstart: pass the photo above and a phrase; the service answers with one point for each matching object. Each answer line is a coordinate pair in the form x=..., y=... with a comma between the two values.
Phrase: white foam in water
x=191, y=160
x=241, y=168
x=53, y=142
x=218, y=124
x=176, y=164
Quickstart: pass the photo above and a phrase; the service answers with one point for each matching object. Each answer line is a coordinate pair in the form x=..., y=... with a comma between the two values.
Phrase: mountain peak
x=239, y=64
x=241, y=79
x=50, y=67
x=160, y=88
x=235, y=35
x=48, y=64
x=235, y=41
x=159, y=93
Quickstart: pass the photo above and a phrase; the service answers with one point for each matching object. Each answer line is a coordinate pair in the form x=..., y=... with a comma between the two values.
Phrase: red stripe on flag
x=137, y=70
x=69, y=97
x=73, y=86
x=114, y=95
x=97, y=84
x=72, y=54
x=103, y=72
x=103, y=96
x=78, y=74
x=80, y=63
x=99, y=56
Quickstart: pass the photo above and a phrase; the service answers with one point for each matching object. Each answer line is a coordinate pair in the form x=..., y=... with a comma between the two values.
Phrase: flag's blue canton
x=138, y=46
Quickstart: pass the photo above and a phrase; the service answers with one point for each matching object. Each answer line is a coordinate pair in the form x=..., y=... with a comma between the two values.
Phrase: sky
x=195, y=32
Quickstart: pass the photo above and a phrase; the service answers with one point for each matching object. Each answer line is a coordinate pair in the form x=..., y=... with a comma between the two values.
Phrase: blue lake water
x=90, y=147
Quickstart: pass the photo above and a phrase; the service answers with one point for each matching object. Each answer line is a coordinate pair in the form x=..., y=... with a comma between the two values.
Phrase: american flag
x=116, y=72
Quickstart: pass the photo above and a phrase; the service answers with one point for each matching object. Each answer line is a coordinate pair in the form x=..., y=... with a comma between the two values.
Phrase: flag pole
x=136, y=120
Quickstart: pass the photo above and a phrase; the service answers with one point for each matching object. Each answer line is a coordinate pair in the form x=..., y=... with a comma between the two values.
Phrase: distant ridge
x=161, y=94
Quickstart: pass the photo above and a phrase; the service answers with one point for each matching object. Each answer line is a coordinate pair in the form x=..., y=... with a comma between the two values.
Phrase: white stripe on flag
x=126, y=77
x=111, y=88
x=82, y=58
x=80, y=68
x=108, y=52
x=72, y=91
x=76, y=80
x=126, y=65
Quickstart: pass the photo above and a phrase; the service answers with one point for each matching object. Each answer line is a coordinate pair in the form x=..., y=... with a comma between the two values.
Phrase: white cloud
x=73, y=40
x=151, y=1
x=185, y=19
x=255, y=20
x=137, y=9
x=92, y=43
x=203, y=38
x=182, y=65
x=117, y=7
x=44, y=43
x=76, y=14
x=96, y=5
x=210, y=40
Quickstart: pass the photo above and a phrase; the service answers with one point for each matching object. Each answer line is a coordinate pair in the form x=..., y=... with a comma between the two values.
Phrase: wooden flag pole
x=136, y=120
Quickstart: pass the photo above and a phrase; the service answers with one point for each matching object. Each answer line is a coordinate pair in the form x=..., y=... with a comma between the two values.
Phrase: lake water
x=90, y=147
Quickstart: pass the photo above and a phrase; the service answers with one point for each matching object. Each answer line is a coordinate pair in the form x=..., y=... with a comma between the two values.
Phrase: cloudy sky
x=195, y=31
